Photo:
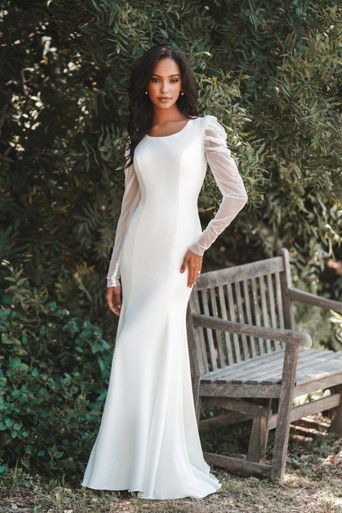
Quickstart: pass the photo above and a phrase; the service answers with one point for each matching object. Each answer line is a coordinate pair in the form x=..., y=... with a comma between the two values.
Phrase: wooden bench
x=247, y=357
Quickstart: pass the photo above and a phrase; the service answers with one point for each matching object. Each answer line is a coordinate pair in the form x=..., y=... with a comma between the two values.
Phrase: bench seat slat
x=312, y=364
x=238, y=368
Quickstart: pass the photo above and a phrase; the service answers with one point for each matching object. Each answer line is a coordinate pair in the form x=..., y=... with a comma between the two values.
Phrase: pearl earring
x=182, y=93
x=145, y=91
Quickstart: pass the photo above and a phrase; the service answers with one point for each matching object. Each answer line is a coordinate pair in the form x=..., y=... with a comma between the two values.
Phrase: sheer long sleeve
x=228, y=179
x=129, y=202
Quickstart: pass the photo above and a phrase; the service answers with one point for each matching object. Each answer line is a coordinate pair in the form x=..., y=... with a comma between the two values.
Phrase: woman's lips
x=164, y=99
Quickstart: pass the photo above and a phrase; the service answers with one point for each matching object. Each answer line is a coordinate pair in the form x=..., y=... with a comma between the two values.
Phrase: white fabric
x=129, y=202
x=148, y=440
x=229, y=181
x=227, y=177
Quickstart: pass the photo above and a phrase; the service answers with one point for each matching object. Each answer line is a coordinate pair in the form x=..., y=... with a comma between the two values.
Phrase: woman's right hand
x=113, y=298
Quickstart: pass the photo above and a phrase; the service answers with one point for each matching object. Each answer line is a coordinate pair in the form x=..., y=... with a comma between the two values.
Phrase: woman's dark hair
x=140, y=105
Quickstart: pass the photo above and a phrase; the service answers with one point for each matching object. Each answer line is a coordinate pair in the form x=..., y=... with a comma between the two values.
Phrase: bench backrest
x=253, y=293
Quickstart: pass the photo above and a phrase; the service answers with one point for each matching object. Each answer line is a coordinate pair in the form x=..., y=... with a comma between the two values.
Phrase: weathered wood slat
x=264, y=310
x=220, y=346
x=239, y=272
x=318, y=371
x=324, y=371
x=209, y=332
x=241, y=316
x=265, y=374
x=233, y=319
x=312, y=385
x=285, y=280
x=218, y=338
x=273, y=373
x=253, y=375
x=239, y=370
x=310, y=408
x=270, y=287
x=202, y=356
x=257, y=316
x=290, y=336
x=270, y=291
x=239, y=405
x=226, y=419
x=315, y=373
x=312, y=362
x=227, y=336
x=231, y=463
x=253, y=362
x=269, y=365
x=313, y=299
x=326, y=358
x=239, y=390
x=275, y=365
x=249, y=315
x=279, y=301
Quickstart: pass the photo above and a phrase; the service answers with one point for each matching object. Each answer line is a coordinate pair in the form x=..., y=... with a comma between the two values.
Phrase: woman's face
x=165, y=84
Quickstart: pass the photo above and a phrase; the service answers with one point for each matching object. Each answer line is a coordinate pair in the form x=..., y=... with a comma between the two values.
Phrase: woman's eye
x=173, y=80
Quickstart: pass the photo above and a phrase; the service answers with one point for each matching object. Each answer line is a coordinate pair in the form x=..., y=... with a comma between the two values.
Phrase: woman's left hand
x=194, y=264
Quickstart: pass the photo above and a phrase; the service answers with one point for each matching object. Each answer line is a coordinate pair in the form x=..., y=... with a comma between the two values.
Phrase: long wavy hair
x=140, y=105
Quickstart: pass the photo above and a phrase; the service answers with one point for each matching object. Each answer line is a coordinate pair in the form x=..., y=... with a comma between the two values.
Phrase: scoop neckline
x=170, y=135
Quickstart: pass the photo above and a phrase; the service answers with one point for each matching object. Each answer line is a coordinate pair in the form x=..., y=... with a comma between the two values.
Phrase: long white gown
x=148, y=439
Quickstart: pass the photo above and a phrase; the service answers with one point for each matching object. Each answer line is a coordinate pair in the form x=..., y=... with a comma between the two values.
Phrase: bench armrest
x=302, y=338
x=313, y=299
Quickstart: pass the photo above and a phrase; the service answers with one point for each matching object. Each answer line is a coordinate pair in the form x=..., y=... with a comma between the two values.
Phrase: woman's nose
x=164, y=88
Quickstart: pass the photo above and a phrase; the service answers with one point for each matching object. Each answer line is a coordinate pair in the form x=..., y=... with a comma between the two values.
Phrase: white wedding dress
x=148, y=439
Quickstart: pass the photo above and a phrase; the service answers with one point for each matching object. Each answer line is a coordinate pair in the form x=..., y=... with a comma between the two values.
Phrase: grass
x=313, y=484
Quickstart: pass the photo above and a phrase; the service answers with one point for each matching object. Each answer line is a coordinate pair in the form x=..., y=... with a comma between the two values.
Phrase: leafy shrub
x=53, y=379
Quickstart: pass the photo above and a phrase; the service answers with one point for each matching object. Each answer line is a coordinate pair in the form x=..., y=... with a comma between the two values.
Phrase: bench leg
x=259, y=436
x=284, y=412
x=336, y=421
x=258, y=440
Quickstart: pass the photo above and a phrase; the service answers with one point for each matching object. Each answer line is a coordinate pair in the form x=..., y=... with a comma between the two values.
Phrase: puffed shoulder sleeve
x=228, y=179
x=129, y=202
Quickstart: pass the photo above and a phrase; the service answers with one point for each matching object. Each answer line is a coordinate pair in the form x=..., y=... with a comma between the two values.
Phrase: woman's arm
x=228, y=179
x=129, y=202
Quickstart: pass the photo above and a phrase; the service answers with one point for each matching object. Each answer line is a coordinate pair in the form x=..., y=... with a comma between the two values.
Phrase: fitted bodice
x=165, y=179
x=170, y=169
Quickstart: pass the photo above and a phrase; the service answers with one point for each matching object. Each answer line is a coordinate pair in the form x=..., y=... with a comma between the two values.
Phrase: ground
x=313, y=484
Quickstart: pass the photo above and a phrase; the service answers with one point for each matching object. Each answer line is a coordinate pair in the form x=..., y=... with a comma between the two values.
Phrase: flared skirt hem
x=141, y=495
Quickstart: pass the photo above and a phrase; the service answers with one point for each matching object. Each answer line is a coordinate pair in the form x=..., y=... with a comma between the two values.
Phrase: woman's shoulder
x=211, y=125
x=205, y=118
x=210, y=119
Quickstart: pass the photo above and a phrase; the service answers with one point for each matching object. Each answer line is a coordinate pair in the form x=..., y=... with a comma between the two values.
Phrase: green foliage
x=53, y=379
x=270, y=72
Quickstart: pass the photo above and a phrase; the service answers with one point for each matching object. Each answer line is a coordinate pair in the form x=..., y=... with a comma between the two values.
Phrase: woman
x=148, y=440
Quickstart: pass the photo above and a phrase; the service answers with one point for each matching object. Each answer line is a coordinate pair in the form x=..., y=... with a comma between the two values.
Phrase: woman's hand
x=194, y=263
x=113, y=298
